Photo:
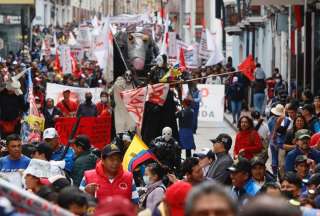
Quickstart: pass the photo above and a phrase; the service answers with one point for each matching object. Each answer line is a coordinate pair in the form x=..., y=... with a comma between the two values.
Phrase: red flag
x=57, y=64
x=182, y=62
x=247, y=67
x=75, y=69
x=298, y=16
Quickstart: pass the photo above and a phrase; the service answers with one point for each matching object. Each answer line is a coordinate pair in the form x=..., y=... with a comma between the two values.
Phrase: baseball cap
x=225, y=139
x=302, y=133
x=240, y=165
x=175, y=197
x=257, y=161
x=110, y=150
x=83, y=141
x=50, y=133
x=301, y=159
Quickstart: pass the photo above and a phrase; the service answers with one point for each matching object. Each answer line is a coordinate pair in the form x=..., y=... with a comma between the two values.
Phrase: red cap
x=176, y=196
x=115, y=205
x=314, y=139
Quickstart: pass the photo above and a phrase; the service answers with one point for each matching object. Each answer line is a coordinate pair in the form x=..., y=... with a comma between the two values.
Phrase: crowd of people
x=270, y=168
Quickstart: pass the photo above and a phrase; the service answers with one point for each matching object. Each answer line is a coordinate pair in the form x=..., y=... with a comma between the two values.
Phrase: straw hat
x=278, y=110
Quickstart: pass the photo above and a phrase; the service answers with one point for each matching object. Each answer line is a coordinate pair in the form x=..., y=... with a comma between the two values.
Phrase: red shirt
x=248, y=140
x=71, y=112
x=102, y=108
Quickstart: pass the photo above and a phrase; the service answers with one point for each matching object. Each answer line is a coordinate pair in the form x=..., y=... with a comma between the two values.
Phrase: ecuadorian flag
x=137, y=153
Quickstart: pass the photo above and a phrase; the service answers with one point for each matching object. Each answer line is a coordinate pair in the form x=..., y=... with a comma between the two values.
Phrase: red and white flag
x=135, y=99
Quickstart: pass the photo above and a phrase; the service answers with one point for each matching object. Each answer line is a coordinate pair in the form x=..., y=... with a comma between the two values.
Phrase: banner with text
x=212, y=102
x=98, y=129
x=55, y=91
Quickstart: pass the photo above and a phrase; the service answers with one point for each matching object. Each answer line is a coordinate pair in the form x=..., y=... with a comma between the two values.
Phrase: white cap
x=50, y=133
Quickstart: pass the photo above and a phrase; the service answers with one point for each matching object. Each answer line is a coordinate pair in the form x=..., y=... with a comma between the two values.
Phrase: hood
x=100, y=170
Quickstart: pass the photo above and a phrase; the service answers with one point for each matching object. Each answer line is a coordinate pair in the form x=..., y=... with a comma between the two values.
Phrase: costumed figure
x=167, y=150
x=158, y=71
x=123, y=121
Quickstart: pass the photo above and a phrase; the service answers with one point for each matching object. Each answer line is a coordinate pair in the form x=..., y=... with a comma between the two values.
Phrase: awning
x=277, y=2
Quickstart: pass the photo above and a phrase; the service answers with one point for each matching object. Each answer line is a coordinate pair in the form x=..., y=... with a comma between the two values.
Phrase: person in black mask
x=87, y=108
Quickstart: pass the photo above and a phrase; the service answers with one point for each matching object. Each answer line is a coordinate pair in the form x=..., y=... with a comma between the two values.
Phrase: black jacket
x=11, y=106
x=49, y=118
x=87, y=110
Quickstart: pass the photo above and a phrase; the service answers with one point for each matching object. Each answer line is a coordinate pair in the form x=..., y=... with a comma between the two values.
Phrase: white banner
x=172, y=50
x=65, y=59
x=55, y=91
x=212, y=102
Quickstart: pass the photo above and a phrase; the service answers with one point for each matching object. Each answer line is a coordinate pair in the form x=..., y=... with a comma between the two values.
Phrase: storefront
x=15, y=24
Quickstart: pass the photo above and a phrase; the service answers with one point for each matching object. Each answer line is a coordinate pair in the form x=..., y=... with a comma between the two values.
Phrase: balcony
x=232, y=18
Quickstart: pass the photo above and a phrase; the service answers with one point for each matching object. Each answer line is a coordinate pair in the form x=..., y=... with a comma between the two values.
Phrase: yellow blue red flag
x=137, y=153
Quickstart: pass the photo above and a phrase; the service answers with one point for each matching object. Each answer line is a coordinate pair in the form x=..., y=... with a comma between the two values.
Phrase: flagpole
x=116, y=43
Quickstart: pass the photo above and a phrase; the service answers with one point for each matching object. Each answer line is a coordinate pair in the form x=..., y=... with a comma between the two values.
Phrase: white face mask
x=167, y=133
x=146, y=180
x=38, y=106
x=104, y=99
x=255, y=122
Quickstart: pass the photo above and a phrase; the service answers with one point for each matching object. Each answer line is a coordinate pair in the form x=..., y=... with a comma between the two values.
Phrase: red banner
x=97, y=129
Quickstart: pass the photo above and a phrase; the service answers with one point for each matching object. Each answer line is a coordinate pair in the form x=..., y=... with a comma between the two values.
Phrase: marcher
x=67, y=106
x=192, y=171
x=50, y=136
x=259, y=172
x=206, y=159
x=103, y=107
x=210, y=199
x=259, y=86
x=248, y=142
x=236, y=95
x=195, y=96
x=109, y=178
x=87, y=109
x=186, y=122
x=218, y=170
x=51, y=113
x=84, y=159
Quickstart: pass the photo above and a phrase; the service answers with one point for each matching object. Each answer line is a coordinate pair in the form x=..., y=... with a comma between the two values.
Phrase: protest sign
x=212, y=102
x=98, y=129
x=29, y=202
x=45, y=169
x=54, y=91
x=65, y=59
x=172, y=50
x=204, y=53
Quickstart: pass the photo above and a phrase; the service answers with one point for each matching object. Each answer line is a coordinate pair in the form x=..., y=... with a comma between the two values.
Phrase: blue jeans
x=274, y=158
x=236, y=110
x=258, y=100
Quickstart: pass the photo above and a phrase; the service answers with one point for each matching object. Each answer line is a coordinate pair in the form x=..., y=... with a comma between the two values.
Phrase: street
x=207, y=131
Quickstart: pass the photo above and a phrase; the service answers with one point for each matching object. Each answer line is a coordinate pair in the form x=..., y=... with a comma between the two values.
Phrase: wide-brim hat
x=278, y=110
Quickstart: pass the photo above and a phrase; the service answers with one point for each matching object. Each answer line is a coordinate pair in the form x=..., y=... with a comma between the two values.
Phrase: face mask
x=146, y=180
x=104, y=99
x=287, y=194
x=277, y=80
x=167, y=133
x=88, y=99
x=255, y=122
x=38, y=106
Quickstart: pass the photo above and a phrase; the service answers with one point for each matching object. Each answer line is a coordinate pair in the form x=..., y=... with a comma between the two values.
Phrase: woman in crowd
x=248, y=142
x=154, y=180
x=290, y=142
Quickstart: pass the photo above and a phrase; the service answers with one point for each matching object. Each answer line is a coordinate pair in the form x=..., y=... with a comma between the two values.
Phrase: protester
x=14, y=162
x=67, y=106
x=243, y=186
x=236, y=95
x=248, y=142
x=301, y=167
x=210, y=199
x=87, y=109
x=185, y=117
x=51, y=113
x=74, y=200
x=259, y=86
x=84, y=159
x=206, y=159
x=155, y=186
x=175, y=198
x=218, y=170
x=271, y=189
x=291, y=186
x=60, y=152
x=192, y=171
x=316, y=103
x=302, y=137
x=259, y=172
x=109, y=178
x=290, y=142
x=115, y=205
x=196, y=99
x=312, y=121
x=103, y=107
